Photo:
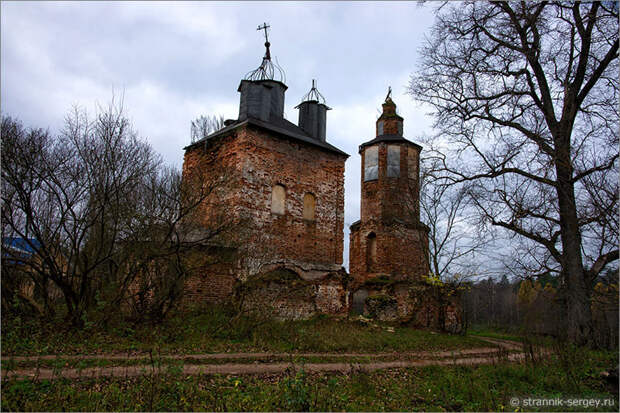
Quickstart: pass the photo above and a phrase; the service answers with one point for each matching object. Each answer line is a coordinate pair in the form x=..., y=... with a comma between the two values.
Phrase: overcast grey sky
x=175, y=61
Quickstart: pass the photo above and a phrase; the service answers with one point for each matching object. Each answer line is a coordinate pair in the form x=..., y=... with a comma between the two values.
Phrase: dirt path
x=485, y=355
x=132, y=371
x=507, y=344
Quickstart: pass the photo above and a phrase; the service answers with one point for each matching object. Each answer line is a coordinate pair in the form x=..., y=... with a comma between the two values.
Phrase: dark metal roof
x=277, y=125
x=389, y=138
x=268, y=81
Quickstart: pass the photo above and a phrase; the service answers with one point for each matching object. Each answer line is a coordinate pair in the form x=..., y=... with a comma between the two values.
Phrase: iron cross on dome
x=264, y=27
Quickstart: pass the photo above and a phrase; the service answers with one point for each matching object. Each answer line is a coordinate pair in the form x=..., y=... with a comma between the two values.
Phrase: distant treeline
x=534, y=306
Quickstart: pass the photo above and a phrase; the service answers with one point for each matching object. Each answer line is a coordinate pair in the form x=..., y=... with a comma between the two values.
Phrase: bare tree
x=203, y=126
x=456, y=243
x=75, y=195
x=169, y=246
x=103, y=215
x=526, y=101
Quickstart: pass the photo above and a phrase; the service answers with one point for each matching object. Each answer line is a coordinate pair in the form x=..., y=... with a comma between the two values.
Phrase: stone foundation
x=414, y=303
x=284, y=294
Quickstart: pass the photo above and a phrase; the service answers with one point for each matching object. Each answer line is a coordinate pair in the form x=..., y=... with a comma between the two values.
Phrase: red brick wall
x=212, y=173
x=208, y=287
x=389, y=197
x=298, y=299
x=266, y=161
x=401, y=252
x=390, y=209
x=392, y=122
x=255, y=161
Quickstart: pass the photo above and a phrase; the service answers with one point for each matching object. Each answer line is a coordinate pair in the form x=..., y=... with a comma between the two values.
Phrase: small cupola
x=313, y=114
x=390, y=122
x=262, y=89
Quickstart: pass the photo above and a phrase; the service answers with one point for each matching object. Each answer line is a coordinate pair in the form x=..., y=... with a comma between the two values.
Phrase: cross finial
x=264, y=27
x=389, y=95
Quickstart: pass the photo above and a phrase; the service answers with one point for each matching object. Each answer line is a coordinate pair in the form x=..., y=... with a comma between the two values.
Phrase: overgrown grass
x=503, y=334
x=513, y=334
x=569, y=372
x=65, y=363
x=453, y=388
x=216, y=330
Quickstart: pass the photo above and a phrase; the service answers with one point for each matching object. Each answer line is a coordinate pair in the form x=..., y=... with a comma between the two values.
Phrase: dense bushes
x=100, y=218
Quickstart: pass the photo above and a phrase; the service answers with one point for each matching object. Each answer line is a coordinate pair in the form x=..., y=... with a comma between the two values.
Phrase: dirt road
x=503, y=350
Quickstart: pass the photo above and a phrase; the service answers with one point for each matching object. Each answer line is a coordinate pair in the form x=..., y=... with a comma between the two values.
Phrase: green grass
x=513, y=334
x=211, y=330
x=65, y=363
x=569, y=372
x=480, y=331
x=455, y=388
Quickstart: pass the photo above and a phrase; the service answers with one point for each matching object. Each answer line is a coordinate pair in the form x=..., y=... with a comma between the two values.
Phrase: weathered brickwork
x=212, y=178
x=302, y=169
x=390, y=214
x=388, y=250
x=401, y=252
x=239, y=171
x=390, y=122
x=414, y=303
x=209, y=287
x=389, y=198
x=255, y=161
x=271, y=202
x=283, y=294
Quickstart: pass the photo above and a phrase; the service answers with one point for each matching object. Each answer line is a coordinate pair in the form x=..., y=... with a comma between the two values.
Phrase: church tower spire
x=390, y=122
x=268, y=70
x=262, y=89
x=389, y=239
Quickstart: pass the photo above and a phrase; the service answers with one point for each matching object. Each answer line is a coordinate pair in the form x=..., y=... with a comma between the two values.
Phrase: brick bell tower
x=389, y=239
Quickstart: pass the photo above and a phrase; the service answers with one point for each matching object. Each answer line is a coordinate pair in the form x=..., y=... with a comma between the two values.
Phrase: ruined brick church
x=279, y=186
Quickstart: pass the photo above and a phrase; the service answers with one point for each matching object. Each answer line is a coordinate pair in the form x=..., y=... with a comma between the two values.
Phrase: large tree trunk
x=577, y=291
x=578, y=312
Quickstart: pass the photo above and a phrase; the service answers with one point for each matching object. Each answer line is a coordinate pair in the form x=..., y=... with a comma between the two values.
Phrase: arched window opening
x=371, y=163
x=371, y=251
x=309, y=206
x=393, y=161
x=278, y=199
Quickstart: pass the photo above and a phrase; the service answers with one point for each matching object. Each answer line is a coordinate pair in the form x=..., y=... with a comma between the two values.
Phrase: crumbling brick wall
x=389, y=198
x=415, y=303
x=245, y=166
x=283, y=294
x=401, y=251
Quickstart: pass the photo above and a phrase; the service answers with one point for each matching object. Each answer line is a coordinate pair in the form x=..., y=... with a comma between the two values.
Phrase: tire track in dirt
x=474, y=356
x=244, y=368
